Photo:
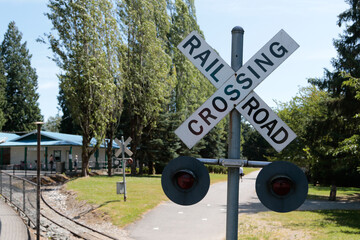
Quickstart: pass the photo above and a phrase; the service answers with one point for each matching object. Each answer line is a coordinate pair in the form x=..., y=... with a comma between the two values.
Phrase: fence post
x=23, y=195
x=10, y=187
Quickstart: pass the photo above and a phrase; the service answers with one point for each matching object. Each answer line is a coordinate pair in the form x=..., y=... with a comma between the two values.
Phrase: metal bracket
x=233, y=162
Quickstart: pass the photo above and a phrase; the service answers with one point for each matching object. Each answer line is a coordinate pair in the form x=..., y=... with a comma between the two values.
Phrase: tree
x=52, y=124
x=161, y=144
x=341, y=125
x=192, y=89
x=22, y=108
x=2, y=94
x=114, y=121
x=147, y=65
x=305, y=115
x=67, y=123
x=254, y=146
x=85, y=48
x=349, y=148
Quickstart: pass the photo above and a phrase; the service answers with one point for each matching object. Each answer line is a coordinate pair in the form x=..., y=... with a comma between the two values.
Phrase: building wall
x=17, y=155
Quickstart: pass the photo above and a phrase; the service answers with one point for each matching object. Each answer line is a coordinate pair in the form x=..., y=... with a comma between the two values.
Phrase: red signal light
x=281, y=186
x=185, y=179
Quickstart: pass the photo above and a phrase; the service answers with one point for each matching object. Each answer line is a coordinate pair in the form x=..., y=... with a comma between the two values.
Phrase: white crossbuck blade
x=120, y=150
x=233, y=88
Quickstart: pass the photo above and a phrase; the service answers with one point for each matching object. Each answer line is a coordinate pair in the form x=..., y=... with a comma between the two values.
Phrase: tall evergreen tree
x=340, y=123
x=2, y=94
x=22, y=108
x=85, y=47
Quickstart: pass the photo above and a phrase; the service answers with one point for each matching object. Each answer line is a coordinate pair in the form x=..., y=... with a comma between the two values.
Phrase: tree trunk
x=151, y=168
x=141, y=162
x=109, y=146
x=332, y=193
x=109, y=156
x=85, y=163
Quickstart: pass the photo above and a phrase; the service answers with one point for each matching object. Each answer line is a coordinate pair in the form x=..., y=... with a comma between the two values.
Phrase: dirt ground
x=65, y=202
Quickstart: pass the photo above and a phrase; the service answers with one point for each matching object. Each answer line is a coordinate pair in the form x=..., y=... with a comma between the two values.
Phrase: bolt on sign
x=235, y=89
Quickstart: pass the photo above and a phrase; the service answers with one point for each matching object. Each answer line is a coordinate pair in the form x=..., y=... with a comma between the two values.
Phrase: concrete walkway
x=12, y=226
x=206, y=220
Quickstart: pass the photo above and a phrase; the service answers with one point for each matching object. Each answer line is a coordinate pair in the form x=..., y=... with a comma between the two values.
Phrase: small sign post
x=123, y=149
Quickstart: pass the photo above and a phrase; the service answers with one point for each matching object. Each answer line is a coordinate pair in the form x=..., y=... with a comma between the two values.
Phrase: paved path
x=12, y=226
x=206, y=220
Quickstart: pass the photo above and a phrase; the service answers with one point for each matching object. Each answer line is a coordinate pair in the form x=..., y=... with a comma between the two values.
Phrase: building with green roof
x=21, y=151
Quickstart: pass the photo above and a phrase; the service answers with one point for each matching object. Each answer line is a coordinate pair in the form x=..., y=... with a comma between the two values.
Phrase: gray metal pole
x=234, y=143
x=124, y=165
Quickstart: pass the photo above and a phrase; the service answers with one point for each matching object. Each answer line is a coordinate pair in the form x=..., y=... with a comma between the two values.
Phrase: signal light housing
x=281, y=186
x=185, y=180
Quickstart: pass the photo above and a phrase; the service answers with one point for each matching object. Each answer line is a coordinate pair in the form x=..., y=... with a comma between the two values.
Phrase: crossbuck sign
x=235, y=89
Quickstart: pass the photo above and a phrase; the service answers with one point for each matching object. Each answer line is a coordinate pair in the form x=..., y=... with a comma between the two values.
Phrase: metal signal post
x=234, y=143
x=279, y=184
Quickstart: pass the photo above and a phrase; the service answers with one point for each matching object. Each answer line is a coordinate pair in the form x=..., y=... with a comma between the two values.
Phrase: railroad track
x=79, y=230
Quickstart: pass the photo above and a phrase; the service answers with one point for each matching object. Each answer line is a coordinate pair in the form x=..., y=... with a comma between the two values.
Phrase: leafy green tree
x=52, y=124
x=253, y=145
x=192, y=89
x=147, y=65
x=22, y=108
x=84, y=45
x=115, y=117
x=304, y=114
x=215, y=142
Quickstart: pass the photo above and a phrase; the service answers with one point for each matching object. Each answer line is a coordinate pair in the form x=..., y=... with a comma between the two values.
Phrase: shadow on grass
x=107, y=202
x=344, y=218
x=92, y=209
x=348, y=197
x=317, y=197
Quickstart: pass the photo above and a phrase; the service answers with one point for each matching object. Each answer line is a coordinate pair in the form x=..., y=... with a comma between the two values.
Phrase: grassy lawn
x=317, y=225
x=143, y=194
x=342, y=193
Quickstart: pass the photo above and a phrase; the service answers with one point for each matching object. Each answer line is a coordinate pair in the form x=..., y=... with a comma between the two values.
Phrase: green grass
x=342, y=193
x=316, y=225
x=143, y=194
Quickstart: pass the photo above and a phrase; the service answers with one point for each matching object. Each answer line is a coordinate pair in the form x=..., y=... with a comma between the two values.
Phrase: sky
x=312, y=24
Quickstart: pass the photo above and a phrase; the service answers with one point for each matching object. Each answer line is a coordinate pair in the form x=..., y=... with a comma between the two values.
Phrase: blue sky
x=312, y=24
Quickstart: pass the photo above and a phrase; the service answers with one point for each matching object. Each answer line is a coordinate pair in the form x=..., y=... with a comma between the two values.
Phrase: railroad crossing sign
x=123, y=147
x=234, y=89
